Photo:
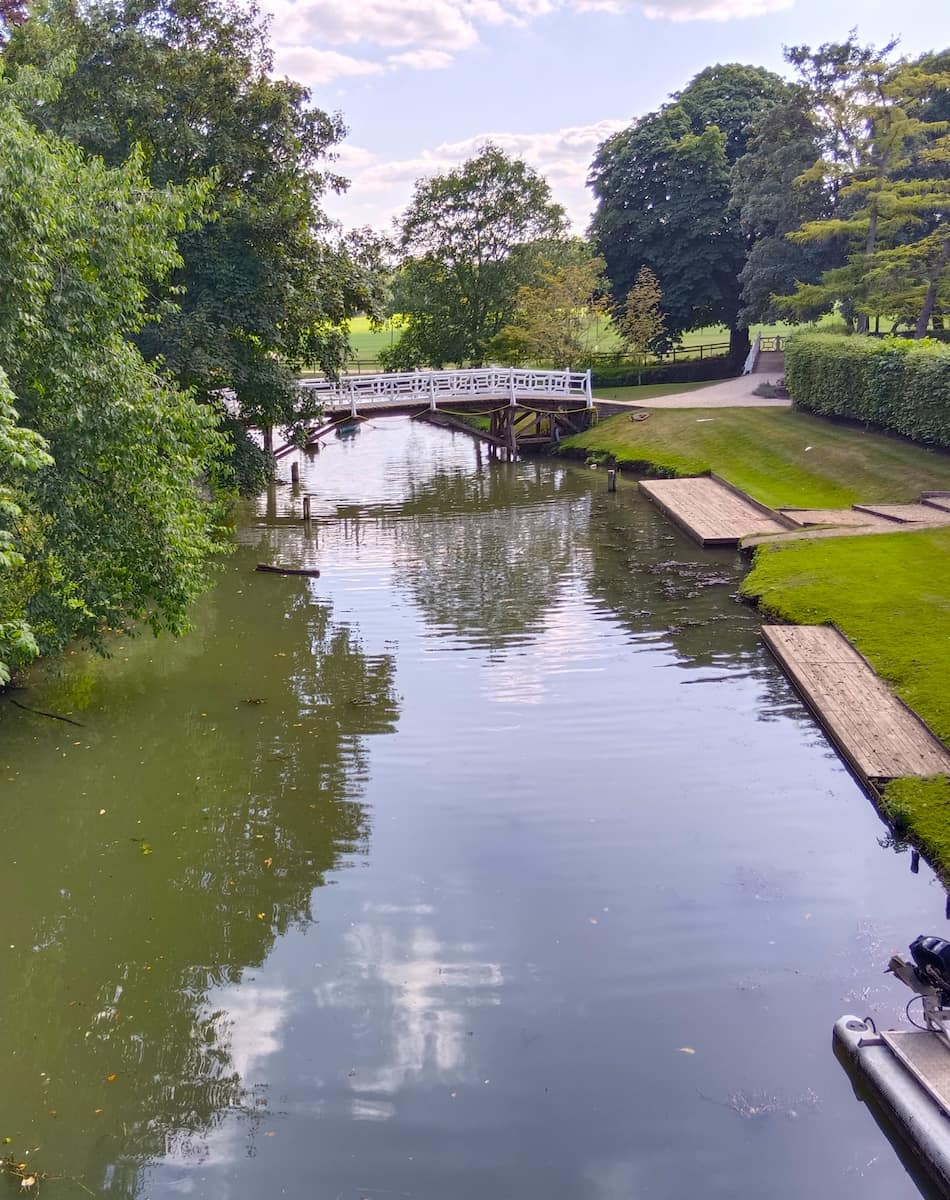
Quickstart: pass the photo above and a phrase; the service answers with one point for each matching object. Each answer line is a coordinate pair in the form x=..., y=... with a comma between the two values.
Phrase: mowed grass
x=890, y=595
x=783, y=458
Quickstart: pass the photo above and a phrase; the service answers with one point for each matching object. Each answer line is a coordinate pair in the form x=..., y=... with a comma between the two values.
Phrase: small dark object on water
x=254, y=700
x=275, y=570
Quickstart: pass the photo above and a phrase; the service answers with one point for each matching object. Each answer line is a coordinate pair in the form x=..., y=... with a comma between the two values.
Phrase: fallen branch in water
x=287, y=570
x=42, y=713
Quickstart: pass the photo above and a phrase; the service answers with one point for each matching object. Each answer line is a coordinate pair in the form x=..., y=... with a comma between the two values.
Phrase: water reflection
x=295, y=955
x=208, y=798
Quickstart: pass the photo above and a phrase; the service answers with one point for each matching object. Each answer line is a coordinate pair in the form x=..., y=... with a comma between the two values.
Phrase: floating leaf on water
x=145, y=848
x=111, y=1078
x=261, y=916
x=686, y=1050
x=268, y=862
x=28, y=1181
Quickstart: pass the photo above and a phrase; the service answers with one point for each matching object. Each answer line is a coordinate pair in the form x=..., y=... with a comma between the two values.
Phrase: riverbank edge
x=916, y=810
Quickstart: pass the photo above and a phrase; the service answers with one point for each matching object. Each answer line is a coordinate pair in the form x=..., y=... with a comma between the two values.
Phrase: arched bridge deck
x=512, y=395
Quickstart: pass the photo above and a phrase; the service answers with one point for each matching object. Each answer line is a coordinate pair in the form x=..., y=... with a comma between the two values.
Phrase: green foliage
x=889, y=594
x=22, y=452
x=689, y=370
x=116, y=531
x=556, y=318
x=773, y=200
x=896, y=384
x=259, y=280
x=471, y=238
x=641, y=323
x=663, y=191
x=781, y=457
x=884, y=168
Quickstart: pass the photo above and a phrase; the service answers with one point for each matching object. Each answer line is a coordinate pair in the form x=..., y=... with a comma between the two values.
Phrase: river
x=499, y=861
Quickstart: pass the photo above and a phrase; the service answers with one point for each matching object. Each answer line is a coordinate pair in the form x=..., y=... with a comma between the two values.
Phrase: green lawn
x=890, y=594
x=781, y=457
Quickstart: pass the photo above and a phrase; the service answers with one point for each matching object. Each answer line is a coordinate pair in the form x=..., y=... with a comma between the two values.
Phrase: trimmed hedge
x=690, y=370
x=893, y=383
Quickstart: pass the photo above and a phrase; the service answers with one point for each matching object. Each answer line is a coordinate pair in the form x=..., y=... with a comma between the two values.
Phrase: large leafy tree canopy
x=883, y=166
x=663, y=190
x=113, y=530
x=773, y=200
x=262, y=279
x=470, y=239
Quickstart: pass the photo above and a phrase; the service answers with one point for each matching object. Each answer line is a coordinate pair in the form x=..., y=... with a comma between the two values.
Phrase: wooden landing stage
x=710, y=511
x=878, y=735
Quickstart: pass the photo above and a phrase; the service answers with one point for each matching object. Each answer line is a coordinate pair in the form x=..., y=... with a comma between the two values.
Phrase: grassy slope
x=889, y=594
x=781, y=457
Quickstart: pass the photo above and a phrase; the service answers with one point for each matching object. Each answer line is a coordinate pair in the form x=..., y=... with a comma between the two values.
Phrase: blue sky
x=423, y=83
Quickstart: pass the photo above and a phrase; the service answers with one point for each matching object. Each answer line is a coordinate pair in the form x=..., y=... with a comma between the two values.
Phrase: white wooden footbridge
x=525, y=406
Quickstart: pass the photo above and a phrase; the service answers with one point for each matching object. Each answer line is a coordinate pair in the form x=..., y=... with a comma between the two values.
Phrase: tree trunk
x=931, y=298
x=269, y=439
x=739, y=346
x=869, y=247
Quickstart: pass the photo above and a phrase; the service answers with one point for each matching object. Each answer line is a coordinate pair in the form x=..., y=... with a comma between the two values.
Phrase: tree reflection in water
x=229, y=767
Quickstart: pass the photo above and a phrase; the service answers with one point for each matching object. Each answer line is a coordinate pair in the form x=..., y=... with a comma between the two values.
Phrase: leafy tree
x=642, y=324
x=261, y=280
x=887, y=168
x=664, y=197
x=470, y=240
x=21, y=453
x=556, y=318
x=773, y=200
x=116, y=531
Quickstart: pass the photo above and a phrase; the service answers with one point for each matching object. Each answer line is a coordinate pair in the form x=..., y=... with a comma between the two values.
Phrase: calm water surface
x=497, y=862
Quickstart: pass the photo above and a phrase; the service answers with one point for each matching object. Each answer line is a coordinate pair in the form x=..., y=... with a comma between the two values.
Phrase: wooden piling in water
x=306, y=508
x=611, y=479
x=295, y=473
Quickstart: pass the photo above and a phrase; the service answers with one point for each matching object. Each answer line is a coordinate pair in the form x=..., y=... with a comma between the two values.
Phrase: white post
x=588, y=389
x=352, y=399
x=511, y=387
x=431, y=393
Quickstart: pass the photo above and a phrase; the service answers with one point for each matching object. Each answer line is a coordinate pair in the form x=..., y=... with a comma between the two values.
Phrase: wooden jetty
x=877, y=734
x=712, y=511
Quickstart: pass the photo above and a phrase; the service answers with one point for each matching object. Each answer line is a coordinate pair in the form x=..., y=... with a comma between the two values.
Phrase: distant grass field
x=367, y=342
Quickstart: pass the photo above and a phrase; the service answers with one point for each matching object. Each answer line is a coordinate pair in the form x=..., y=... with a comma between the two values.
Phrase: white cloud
x=380, y=188
x=422, y=60
x=315, y=67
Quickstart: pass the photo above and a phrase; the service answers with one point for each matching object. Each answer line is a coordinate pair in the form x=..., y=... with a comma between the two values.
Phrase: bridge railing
x=507, y=383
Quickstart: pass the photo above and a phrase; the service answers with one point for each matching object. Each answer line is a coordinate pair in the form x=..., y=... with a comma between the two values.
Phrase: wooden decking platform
x=907, y=514
x=876, y=733
x=709, y=511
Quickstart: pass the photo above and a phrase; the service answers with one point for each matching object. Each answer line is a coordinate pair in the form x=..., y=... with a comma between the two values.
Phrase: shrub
x=691, y=370
x=893, y=383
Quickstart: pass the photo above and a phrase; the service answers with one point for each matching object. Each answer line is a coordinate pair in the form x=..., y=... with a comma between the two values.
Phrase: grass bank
x=781, y=457
x=919, y=810
x=890, y=595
